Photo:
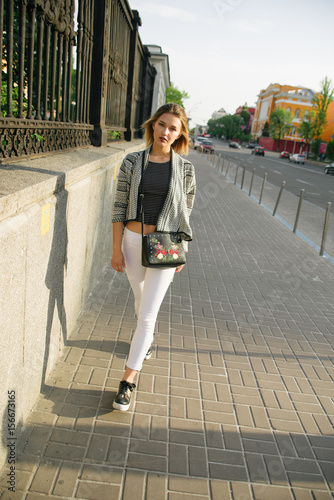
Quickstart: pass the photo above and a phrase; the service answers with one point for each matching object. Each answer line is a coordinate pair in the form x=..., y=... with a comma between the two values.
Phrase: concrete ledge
x=28, y=181
x=55, y=239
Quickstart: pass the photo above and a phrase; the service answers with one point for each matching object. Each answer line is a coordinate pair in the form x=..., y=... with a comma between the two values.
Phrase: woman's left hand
x=179, y=269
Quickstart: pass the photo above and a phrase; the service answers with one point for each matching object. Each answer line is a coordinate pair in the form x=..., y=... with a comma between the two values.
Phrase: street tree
x=230, y=126
x=306, y=129
x=330, y=150
x=321, y=102
x=280, y=124
x=173, y=94
x=244, y=115
x=221, y=126
x=265, y=131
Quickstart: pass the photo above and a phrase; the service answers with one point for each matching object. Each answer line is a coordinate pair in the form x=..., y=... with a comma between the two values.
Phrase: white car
x=297, y=158
x=199, y=141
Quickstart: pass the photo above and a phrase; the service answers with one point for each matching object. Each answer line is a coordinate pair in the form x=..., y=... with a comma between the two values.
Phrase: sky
x=223, y=52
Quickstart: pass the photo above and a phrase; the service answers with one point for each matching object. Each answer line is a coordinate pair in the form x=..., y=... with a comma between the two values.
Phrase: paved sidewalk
x=237, y=399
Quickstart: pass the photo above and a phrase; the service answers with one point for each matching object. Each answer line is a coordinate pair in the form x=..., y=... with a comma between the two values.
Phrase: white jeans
x=149, y=287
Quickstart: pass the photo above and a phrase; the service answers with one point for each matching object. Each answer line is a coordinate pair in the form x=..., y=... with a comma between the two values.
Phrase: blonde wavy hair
x=181, y=144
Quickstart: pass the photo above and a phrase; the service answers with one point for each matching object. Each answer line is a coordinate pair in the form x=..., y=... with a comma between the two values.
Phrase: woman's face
x=166, y=130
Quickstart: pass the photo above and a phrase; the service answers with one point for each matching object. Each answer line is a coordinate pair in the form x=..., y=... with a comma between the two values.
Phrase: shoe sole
x=119, y=407
x=148, y=356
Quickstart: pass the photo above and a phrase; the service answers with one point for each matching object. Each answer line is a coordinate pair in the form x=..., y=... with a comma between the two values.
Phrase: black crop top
x=156, y=183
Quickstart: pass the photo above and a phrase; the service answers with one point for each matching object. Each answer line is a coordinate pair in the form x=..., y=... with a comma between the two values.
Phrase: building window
x=306, y=115
x=297, y=113
x=293, y=131
x=288, y=110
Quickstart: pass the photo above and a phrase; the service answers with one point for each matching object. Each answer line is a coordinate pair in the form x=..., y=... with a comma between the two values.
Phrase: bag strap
x=141, y=194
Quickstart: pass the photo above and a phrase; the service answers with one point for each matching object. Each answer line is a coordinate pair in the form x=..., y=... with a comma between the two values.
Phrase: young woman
x=169, y=187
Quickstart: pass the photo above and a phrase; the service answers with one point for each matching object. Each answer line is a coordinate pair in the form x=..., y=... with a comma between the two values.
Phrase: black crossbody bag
x=160, y=249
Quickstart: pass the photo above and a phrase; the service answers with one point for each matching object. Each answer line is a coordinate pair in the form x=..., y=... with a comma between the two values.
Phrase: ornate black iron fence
x=71, y=77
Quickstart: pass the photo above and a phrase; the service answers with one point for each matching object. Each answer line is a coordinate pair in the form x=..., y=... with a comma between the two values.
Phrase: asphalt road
x=319, y=187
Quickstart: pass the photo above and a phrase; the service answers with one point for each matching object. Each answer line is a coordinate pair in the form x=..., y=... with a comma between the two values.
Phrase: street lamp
x=195, y=106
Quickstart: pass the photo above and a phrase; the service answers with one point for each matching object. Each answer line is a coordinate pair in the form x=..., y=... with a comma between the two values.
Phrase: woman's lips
x=162, y=139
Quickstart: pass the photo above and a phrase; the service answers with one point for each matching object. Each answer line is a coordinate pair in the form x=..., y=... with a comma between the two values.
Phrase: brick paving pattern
x=237, y=399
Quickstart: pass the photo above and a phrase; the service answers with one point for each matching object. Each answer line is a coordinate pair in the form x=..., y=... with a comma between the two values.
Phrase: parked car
x=330, y=169
x=297, y=158
x=234, y=145
x=207, y=146
x=251, y=145
x=258, y=150
x=284, y=154
x=198, y=142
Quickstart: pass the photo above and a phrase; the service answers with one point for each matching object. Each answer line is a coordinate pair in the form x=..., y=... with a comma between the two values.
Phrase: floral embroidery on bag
x=166, y=254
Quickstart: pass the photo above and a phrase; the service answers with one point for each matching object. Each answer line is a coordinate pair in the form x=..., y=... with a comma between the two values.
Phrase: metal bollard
x=262, y=189
x=251, y=184
x=302, y=191
x=227, y=167
x=324, y=233
x=242, y=178
x=218, y=163
x=236, y=175
x=279, y=197
x=223, y=160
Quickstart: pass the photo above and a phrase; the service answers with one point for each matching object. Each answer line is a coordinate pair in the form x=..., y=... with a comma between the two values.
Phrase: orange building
x=297, y=100
x=328, y=133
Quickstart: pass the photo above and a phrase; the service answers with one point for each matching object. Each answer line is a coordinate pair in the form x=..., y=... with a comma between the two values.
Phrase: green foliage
x=265, y=131
x=322, y=102
x=330, y=150
x=244, y=115
x=15, y=100
x=315, y=146
x=306, y=129
x=173, y=94
x=280, y=123
x=15, y=43
x=230, y=126
x=38, y=137
x=113, y=135
x=15, y=64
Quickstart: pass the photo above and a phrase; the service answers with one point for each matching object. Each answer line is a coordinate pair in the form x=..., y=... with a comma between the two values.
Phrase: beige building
x=162, y=80
x=218, y=114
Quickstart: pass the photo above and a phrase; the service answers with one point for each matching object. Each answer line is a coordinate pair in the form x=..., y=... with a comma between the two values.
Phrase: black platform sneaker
x=148, y=354
x=123, y=397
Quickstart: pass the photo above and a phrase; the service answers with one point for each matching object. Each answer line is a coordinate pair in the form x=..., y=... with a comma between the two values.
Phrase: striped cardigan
x=179, y=200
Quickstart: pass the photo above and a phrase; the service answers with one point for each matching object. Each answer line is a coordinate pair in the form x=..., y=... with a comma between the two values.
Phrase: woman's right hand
x=118, y=261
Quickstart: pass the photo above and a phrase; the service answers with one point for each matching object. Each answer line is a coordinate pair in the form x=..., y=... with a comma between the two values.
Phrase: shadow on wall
x=54, y=279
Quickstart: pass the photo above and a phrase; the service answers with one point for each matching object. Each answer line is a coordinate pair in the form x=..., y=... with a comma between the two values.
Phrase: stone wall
x=55, y=239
